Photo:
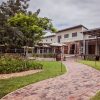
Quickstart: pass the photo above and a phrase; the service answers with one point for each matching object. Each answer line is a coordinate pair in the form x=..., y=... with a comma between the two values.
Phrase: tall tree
x=8, y=9
x=11, y=7
x=19, y=27
x=32, y=27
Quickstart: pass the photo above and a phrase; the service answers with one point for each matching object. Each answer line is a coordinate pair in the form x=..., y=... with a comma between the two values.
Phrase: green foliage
x=9, y=64
x=50, y=69
x=8, y=9
x=96, y=97
x=93, y=64
x=32, y=27
x=48, y=55
x=11, y=7
x=19, y=27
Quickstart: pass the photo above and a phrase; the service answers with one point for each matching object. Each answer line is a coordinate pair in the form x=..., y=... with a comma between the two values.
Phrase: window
x=66, y=35
x=74, y=34
x=59, y=39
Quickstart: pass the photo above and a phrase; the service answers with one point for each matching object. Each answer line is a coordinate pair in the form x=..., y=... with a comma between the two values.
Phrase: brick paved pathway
x=79, y=83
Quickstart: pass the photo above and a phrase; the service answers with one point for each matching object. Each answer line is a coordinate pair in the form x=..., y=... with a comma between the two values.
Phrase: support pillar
x=84, y=47
x=87, y=47
x=75, y=51
x=47, y=50
x=39, y=50
x=32, y=50
x=84, y=44
x=54, y=50
x=80, y=48
x=62, y=49
x=96, y=47
x=69, y=48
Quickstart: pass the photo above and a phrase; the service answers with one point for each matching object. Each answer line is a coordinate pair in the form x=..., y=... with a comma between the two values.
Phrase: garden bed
x=13, y=64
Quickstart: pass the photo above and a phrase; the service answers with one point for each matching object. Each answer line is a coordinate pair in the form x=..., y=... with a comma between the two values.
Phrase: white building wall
x=89, y=37
x=54, y=39
x=70, y=38
x=49, y=39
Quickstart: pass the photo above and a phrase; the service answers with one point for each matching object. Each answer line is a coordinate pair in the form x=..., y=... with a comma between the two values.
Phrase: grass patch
x=96, y=97
x=91, y=63
x=50, y=69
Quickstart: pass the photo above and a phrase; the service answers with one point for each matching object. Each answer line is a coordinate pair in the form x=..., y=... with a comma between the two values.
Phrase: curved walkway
x=24, y=73
x=80, y=83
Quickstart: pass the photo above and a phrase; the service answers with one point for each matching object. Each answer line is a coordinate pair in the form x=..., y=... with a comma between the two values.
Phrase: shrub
x=10, y=64
x=49, y=55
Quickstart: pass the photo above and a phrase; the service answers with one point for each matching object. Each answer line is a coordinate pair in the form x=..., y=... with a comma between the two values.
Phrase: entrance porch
x=91, y=45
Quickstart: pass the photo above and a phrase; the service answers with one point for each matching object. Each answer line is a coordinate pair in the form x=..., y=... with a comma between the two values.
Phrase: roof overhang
x=93, y=32
x=70, y=28
x=28, y=47
x=46, y=46
x=57, y=44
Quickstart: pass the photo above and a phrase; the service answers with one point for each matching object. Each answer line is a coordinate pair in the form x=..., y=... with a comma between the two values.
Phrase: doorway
x=72, y=49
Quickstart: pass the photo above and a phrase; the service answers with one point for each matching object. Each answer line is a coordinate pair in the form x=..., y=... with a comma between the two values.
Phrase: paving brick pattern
x=81, y=82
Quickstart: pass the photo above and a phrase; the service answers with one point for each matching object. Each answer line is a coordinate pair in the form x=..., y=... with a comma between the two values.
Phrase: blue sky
x=66, y=13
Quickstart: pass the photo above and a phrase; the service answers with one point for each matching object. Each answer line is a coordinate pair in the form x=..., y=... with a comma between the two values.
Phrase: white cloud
x=1, y=1
x=65, y=13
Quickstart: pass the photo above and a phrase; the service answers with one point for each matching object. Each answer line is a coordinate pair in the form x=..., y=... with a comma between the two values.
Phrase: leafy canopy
x=32, y=27
x=20, y=27
x=8, y=9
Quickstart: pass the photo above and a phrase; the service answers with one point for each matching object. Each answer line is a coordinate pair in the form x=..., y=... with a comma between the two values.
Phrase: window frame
x=74, y=34
x=59, y=38
x=66, y=35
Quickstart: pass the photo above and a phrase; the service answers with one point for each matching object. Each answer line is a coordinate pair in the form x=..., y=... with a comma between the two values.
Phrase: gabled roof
x=71, y=28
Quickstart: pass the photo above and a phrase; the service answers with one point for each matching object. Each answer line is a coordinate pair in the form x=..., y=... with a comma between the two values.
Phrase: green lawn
x=97, y=97
x=91, y=63
x=50, y=69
